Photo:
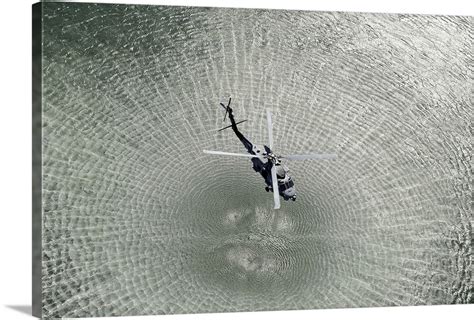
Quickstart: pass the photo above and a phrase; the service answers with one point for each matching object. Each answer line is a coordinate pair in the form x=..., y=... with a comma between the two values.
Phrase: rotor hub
x=273, y=158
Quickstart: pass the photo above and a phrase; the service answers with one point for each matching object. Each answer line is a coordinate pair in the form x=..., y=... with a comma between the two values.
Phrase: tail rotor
x=226, y=108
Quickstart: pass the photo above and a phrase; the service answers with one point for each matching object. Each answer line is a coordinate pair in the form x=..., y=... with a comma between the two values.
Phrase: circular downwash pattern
x=137, y=220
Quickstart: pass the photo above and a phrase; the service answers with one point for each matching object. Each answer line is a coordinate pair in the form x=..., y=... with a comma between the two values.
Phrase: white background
x=15, y=157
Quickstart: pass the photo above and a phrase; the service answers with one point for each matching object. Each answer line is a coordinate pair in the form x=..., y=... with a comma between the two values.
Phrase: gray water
x=137, y=220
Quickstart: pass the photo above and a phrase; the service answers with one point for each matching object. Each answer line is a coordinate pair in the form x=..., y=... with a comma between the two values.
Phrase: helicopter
x=265, y=161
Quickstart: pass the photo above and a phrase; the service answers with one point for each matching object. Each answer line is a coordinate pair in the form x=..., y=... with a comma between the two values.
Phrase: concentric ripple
x=137, y=220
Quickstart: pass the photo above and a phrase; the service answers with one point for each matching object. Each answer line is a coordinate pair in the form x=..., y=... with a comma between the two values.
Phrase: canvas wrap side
x=36, y=159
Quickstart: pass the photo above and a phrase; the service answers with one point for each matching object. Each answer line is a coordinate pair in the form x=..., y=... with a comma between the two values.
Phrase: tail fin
x=231, y=125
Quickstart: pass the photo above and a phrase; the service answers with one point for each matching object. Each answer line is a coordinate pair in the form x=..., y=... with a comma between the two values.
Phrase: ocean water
x=138, y=220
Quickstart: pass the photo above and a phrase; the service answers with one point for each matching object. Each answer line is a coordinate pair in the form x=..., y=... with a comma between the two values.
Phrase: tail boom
x=230, y=126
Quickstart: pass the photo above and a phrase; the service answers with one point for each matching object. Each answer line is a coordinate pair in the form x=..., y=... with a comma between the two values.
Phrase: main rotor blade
x=231, y=125
x=313, y=156
x=276, y=191
x=270, y=128
x=230, y=154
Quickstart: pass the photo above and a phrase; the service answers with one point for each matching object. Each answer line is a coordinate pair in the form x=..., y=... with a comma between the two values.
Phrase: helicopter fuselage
x=263, y=164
